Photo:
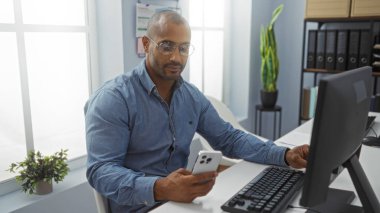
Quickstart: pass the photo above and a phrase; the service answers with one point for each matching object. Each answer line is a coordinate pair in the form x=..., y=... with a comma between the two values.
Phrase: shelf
x=350, y=19
x=369, y=23
x=312, y=70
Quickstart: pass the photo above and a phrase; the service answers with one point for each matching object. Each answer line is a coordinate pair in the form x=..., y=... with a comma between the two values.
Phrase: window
x=44, y=78
x=208, y=30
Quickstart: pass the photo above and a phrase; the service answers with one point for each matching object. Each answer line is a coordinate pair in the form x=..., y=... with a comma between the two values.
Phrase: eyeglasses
x=168, y=47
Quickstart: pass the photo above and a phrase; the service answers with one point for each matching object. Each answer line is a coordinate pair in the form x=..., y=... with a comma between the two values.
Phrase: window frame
x=226, y=46
x=10, y=185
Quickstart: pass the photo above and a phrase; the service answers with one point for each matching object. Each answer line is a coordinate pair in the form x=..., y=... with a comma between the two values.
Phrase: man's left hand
x=297, y=156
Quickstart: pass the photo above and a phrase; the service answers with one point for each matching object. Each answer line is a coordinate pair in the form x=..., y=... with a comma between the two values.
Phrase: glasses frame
x=175, y=46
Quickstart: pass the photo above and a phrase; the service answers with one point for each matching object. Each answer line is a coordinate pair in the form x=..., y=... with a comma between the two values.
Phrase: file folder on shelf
x=341, y=50
x=330, y=49
x=353, y=49
x=311, y=48
x=305, y=103
x=365, y=48
x=321, y=43
x=376, y=57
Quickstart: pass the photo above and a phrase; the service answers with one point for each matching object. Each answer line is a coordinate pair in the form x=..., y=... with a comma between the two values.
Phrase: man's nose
x=176, y=55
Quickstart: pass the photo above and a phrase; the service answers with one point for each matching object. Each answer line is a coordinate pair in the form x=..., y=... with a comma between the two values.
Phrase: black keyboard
x=270, y=191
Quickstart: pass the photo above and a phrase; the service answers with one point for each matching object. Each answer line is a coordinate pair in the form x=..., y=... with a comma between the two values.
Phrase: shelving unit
x=353, y=23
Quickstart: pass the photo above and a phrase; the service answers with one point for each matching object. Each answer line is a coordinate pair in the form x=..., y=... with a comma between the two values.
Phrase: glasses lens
x=186, y=49
x=167, y=48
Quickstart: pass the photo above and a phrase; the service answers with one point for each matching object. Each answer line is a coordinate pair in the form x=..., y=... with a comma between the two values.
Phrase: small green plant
x=268, y=52
x=36, y=168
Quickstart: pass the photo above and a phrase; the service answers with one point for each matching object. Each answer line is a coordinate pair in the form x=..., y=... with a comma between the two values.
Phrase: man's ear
x=145, y=42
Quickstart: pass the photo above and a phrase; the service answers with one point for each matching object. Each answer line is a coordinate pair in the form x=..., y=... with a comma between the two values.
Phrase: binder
x=353, y=49
x=330, y=49
x=306, y=103
x=321, y=43
x=341, y=50
x=311, y=48
x=365, y=48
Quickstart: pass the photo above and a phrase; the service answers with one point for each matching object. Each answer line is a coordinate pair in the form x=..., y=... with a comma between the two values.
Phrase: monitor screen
x=339, y=126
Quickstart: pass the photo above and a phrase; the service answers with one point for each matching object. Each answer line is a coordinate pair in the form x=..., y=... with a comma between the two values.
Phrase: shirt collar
x=147, y=82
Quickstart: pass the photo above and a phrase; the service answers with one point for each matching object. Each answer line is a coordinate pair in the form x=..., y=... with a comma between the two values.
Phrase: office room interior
x=42, y=101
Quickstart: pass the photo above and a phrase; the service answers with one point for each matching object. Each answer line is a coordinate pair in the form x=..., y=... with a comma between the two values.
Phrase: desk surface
x=233, y=179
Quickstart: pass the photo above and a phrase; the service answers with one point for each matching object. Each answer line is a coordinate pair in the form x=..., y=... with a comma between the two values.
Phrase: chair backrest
x=101, y=203
x=225, y=113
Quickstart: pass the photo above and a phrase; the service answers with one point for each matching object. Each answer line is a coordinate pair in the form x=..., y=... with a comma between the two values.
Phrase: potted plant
x=37, y=172
x=269, y=62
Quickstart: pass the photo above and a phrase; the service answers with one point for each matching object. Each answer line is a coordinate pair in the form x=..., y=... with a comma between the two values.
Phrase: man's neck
x=165, y=87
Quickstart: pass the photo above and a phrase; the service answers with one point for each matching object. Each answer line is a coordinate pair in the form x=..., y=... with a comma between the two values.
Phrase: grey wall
x=260, y=14
x=289, y=35
x=289, y=29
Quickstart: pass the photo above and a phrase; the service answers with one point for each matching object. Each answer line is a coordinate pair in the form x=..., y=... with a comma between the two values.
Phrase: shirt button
x=146, y=203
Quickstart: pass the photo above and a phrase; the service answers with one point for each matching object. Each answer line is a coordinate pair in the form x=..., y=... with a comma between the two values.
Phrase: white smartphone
x=207, y=161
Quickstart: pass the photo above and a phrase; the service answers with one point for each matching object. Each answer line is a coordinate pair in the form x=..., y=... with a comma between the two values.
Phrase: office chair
x=101, y=203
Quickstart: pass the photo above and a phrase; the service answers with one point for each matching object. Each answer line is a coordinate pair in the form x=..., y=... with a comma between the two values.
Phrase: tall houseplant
x=37, y=172
x=269, y=61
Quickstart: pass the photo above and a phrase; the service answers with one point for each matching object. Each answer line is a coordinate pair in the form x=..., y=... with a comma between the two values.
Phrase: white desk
x=233, y=179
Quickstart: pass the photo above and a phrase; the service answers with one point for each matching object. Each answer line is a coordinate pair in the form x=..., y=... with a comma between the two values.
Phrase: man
x=140, y=126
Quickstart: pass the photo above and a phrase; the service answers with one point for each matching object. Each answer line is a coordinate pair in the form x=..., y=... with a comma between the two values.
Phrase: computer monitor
x=339, y=126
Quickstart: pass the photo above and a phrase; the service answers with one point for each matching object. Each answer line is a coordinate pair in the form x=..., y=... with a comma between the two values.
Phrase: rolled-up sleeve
x=107, y=137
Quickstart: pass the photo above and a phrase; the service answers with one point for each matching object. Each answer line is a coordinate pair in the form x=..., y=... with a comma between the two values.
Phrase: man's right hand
x=182, y=186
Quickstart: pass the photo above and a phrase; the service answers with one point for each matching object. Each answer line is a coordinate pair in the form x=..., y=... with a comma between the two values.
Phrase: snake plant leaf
x=264, y=72
x=268, y=51
x=262, y=41
x=272, y=39
x=275, y=15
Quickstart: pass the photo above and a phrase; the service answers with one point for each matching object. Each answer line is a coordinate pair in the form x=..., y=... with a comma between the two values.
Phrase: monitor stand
x=365, y=192
x=337, y=201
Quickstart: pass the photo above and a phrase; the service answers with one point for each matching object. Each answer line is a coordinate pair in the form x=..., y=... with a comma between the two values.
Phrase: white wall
x=73, y=194
x=110, y=38
x=76, y=199
x=129, y=35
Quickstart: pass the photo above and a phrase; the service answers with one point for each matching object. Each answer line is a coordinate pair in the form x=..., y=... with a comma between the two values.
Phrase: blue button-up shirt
x=134, y=137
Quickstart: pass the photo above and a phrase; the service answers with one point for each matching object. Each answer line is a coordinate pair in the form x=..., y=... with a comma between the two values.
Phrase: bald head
x=159, y=21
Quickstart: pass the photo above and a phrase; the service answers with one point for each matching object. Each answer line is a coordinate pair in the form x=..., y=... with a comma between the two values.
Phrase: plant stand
x=276, y=109
x=44, y=187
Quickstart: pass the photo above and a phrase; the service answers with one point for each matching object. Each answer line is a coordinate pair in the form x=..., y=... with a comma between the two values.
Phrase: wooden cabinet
x=361, y=8
x=342, y=8
x=328, y=8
